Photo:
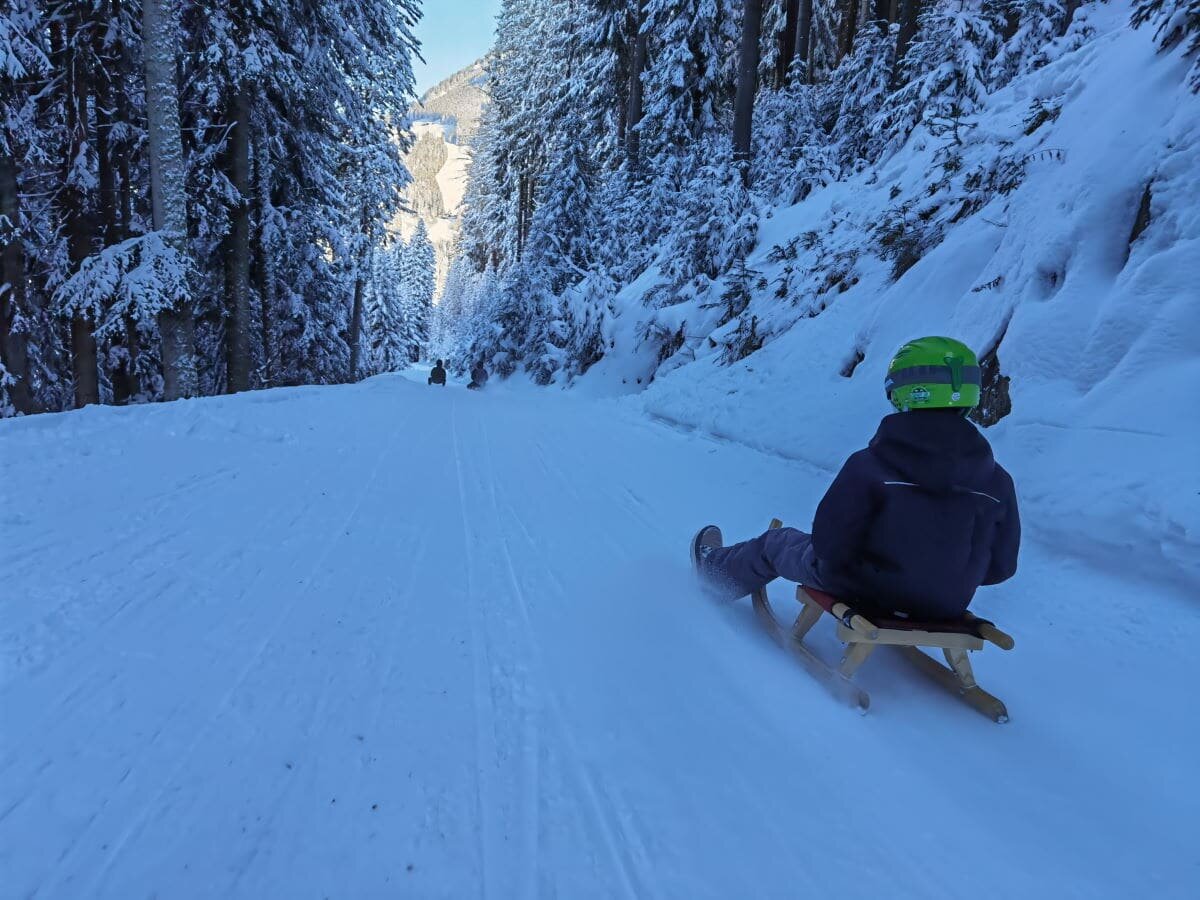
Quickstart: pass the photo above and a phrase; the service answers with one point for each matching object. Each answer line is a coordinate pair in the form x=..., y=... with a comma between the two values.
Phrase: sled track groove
x=629, y=869
x=485, y=715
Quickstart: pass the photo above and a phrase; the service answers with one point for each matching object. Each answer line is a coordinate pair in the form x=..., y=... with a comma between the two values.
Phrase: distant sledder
x=479, y=376
x=437, y=375
x=910, y=528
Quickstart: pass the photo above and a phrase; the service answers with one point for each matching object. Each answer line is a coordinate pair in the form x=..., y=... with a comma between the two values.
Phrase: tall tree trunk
x=14, y=340
x=633, y=117
x=356, y=316
x=78, y=223
x=168, y=200
x=237, y=322
x=266, y=262
x=882, y=10
x=743, y=111
x=787, y=41
x=108, y=153
x=124, y=198
x=122, y=147
x=910, y=10
x=849, y=27
x=804, y=36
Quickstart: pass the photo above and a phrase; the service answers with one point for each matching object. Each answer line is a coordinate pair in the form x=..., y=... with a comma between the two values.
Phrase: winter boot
x=707, y=540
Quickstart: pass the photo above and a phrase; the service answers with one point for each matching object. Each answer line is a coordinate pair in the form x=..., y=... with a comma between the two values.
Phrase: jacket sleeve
x=1007, y=543
x=845, y=512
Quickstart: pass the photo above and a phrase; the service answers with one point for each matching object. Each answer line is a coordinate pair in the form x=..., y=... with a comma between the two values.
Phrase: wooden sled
x=862, y=634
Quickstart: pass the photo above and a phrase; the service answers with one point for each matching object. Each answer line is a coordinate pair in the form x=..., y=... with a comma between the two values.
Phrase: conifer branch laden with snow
x=1176, y=23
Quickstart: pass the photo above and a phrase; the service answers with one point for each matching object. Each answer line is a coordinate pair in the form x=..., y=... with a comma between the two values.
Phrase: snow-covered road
x=386, y=640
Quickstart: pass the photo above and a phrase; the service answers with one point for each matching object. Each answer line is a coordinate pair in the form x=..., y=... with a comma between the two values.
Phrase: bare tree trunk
x=125, y=384
x=633, y=117
x=848, y=29
x=168, y=200
x=78, y=225
x=121, y=149
x=910, y=10
x=804, y=36
x=787, y=41
x=14, y=341
x=108, y=153
x=266, y=264
x=743, y=111
x=356, y=315
x=237, y=322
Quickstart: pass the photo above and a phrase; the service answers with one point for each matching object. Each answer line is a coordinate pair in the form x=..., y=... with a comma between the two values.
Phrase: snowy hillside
x=1089, y=305
x=389, y=640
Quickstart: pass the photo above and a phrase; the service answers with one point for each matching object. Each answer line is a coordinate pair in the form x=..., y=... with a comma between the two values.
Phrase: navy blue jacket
x=920, y=519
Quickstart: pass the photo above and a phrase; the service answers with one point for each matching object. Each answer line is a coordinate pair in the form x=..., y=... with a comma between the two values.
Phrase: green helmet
x=933, y=373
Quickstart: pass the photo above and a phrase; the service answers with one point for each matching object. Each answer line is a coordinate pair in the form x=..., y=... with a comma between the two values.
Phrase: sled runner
x=862, y=633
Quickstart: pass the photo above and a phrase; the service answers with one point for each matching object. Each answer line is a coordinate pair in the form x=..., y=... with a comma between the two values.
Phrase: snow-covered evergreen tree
x=856, y=93
x=561, y=230
x=944, y=75
x=1037, y=23
x=418, y=277
x=690, y=82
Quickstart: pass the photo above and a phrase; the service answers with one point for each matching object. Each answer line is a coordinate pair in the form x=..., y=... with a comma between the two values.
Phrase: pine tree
x=689, y=84
x=857, y=93
x=1033, y=25
x=944, y=73
x=561, y=231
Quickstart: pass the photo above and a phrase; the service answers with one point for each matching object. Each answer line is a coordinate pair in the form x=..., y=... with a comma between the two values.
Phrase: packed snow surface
x=391, y=640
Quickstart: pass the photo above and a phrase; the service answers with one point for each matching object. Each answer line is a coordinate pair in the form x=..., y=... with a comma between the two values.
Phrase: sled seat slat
x=967, y=633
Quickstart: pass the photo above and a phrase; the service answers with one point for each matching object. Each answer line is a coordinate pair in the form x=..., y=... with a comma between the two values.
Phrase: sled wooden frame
x=861, y=636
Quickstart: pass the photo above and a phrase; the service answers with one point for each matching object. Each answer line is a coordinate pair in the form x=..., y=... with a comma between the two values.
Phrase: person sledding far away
x=479, y=376
x=913, y=524
x=437, y=375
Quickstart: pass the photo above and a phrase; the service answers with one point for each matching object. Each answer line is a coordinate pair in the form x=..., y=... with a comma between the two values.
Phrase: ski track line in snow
x=485, y=742
x=95, y=631
x=530, y=738
x=80, y=691
x=98, y=631
x=629, y=870
x=138, y=820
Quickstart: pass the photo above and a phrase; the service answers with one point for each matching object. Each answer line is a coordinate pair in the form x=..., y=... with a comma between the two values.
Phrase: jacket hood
x=937, y=449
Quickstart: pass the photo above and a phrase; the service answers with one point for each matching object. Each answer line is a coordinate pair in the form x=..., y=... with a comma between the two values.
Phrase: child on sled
x=913, y=524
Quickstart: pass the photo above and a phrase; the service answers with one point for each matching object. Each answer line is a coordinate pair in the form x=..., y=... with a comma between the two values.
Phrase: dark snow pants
x=779, y=553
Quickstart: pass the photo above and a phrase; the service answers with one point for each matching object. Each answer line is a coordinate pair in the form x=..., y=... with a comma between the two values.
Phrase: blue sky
x=453, y=34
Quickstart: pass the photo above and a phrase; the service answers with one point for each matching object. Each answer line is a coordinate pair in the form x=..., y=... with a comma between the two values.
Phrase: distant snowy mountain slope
x=456, y=102
x=1082, y=284
x=444, y=121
